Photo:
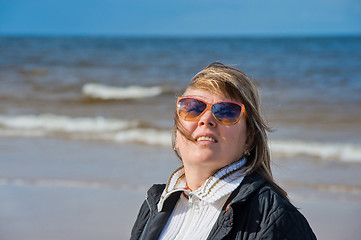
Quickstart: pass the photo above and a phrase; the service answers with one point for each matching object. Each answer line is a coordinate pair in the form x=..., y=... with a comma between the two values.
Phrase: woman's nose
x=207, y=119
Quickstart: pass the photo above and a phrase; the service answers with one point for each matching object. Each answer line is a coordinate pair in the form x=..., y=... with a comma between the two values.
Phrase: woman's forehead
x=206, y=93
x=207, y=96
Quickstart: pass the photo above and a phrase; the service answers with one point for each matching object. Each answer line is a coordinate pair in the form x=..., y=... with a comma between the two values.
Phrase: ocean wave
x=334, y=151
x=97, y=128
x=147, y=136
x=56, y=123
x=98, y=91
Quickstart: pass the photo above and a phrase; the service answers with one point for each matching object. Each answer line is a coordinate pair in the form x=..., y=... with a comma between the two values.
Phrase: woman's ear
x=176, y=147
x=249, y=141
x=177, y=139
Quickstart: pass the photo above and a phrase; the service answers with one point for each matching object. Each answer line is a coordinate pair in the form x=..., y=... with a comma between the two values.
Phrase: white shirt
x=196, y=212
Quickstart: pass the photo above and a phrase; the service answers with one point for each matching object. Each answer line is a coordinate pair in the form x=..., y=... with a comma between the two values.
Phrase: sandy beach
x=92, y=190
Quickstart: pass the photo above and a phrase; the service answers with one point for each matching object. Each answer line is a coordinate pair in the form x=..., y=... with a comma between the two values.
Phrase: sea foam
x=340, y=151
x=147, y=136
x=51, y=122
x=98, y=91
x=97, y=128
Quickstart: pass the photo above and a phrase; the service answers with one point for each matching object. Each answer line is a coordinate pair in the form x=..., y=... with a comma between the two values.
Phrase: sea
x=87, y=120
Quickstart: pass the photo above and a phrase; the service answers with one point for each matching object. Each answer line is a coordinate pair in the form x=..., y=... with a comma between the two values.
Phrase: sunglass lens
x=190, y=109
x=227, y=113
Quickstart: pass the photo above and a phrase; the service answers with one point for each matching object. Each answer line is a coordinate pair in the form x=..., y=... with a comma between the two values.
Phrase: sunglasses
x=225, y=112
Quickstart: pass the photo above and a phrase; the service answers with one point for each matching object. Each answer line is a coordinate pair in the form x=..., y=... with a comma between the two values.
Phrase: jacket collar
x=249, y=185
x=154, y=194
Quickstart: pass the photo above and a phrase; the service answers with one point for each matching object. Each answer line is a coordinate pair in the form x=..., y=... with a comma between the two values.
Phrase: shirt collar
x=220, y=184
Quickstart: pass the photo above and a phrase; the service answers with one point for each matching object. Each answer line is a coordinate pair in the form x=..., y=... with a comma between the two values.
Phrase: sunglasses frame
x=209, y=107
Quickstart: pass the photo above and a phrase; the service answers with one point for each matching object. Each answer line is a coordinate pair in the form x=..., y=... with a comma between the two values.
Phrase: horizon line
x=186, y=36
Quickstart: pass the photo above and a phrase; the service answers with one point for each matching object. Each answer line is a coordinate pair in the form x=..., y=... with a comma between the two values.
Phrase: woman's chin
x=204, y=158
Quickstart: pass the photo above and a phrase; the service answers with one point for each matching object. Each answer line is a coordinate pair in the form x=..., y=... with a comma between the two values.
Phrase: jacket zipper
x=146, y=225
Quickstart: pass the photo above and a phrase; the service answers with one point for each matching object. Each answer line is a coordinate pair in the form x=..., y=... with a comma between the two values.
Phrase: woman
x=225, y=189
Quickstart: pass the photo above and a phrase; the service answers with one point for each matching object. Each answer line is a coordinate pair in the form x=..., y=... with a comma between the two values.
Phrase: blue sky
x=180, y=17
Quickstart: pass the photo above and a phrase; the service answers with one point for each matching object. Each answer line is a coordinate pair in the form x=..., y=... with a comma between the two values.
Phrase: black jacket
x=255, y=210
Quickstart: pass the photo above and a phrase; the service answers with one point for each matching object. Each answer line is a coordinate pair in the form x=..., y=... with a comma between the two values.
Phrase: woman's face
x=227, y=143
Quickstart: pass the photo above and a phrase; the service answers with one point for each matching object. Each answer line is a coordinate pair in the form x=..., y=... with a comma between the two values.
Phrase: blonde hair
x=236, y=85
